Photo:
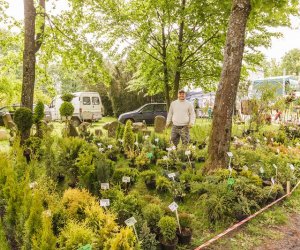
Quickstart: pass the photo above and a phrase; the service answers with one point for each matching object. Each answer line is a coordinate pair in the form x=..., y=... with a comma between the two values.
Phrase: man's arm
x=192, y=115
x=170, y=115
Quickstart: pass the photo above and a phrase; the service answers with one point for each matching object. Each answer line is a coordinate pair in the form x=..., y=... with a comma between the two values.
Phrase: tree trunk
x=28, y=54
x=179, y=59
x=226, y=95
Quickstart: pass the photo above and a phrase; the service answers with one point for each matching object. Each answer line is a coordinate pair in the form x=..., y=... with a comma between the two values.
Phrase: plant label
x=171, y=175
x=230, y=181
x=149, y=155
x=130, y=222
x=261, y=170
x=173, y=206
x=104, y=186
x=230, y=154
x=274, y=166
x=272, y=180
x=126, y=179
x=230, y=169
x=292, y=167
x=104, y=202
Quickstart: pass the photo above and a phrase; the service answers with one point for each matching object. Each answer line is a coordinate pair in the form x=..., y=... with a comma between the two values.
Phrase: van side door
x=86, y=108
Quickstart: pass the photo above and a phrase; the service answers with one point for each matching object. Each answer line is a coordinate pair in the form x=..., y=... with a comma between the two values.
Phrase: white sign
x=126, y=179
x=274, y=166
x=104, y=203
x=245, y=168
x=292, y=167
x=187, y=153
x=173, y=206
x=131, y=221
x=230, y=169
x=261, y=170
x=171, y=175
x=230, y=154
x=272, y=180
x=104, y=186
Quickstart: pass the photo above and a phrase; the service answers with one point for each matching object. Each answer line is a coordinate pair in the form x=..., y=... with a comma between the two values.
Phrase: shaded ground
x=290, y=236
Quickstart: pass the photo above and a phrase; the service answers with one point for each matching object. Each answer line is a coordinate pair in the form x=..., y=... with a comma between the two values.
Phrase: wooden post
x=288, y=187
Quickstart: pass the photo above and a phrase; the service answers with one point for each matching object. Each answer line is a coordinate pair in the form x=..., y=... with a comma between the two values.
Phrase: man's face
x=181, y=96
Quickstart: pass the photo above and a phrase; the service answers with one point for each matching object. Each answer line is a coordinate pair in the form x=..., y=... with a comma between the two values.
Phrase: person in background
x=182, y=116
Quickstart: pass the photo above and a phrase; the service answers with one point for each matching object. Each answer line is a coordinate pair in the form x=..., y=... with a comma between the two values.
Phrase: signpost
x=174, y=208
x=131, y=223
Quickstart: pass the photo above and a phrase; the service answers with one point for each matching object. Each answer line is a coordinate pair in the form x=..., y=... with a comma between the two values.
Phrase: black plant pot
x=187, y=187
x=185, y=236
x=151, y=184
x=167, y=245
x=240, y=216
x=179, y=198
x=201, y=159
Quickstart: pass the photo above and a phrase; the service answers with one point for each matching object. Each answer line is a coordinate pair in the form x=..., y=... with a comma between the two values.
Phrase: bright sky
x=290, y=39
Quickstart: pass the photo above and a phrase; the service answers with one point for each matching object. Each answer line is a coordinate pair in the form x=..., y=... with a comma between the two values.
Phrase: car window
x=148, y=108
x=86, y=100
x=95, y=100
x=160, y=107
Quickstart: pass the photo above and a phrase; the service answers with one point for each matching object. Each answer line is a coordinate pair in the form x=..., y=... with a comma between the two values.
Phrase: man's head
x=181, y=95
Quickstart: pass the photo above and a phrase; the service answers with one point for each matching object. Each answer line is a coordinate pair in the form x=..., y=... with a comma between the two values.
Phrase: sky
x=289, y=40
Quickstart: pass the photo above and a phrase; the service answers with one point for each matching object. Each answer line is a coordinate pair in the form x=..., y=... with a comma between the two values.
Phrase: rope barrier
x=235, y=226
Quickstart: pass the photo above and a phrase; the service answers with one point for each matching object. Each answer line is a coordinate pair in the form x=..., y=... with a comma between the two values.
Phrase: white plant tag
x=104, y=202
x=171, y=175
x=274, y=166
x=173, y=206
x=130, y=222
x=261, y=170
x=126, y=179
x=230, y=154
x=104, y=186
x=272, y=180
x=292, y=167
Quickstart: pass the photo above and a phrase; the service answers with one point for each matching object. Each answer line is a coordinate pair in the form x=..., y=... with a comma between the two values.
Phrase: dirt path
x=290, y=236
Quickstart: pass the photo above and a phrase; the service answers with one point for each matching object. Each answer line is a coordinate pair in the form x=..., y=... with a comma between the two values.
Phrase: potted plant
x=168, y=238
x=149, y=177
x=163, y=185
x=185, y=236
x=178, y=191
x=152, y=214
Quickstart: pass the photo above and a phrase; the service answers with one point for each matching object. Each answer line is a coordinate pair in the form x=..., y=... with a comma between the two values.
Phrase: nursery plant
x=168, y=227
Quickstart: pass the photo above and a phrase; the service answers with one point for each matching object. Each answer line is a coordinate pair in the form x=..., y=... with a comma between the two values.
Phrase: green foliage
x=148, y=175
x=148, y=241
x=124, y=240
x=76, y=235
x=39, y=112
x=66, y=109
x=163, y=184
x=67, y=97
x=128, y=137
x=152, y=214
x=185, y=220
x=142, y=161
x=120, y=172
x=168, y=226
x=24, y=119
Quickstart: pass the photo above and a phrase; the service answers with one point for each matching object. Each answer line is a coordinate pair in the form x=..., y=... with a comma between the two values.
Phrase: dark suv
x=145, y=113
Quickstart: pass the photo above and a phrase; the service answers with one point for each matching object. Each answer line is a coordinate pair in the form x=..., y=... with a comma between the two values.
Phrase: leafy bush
x=128, y=137
x=142, y=161
x=152, y=214
x=185, y=220
x=67, y=97
x=148, y=175
x=120, y=172
x=124, y=240
x=24, y=119
x=148, y=241
x=39, y=112
x=163, y=184
x=76, y=235
x=66, y=109
x=168, y=226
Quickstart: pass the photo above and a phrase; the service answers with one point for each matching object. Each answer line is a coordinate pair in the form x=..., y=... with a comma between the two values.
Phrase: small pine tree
x=39, y=113
x=128, y=137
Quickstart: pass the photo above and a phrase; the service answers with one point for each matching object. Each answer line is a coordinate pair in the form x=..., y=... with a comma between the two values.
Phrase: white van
x=87, y=107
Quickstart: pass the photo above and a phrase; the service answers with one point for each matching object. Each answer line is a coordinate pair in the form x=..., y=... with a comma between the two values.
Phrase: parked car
x=145, y=113
x=87, y=107
x=12, y=109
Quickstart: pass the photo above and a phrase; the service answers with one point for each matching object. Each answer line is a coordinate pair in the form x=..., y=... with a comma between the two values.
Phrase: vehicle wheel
x=76, y=122
x=129, y=119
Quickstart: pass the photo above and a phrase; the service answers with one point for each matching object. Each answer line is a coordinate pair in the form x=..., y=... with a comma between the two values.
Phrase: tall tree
x=32, y=43
x=291, y=62
x=226, y=95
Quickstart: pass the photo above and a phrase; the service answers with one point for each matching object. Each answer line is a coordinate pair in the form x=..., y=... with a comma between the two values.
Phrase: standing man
x=182, y=115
